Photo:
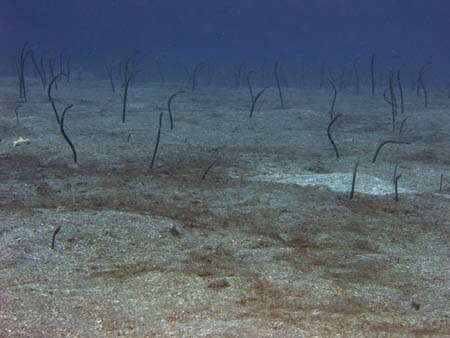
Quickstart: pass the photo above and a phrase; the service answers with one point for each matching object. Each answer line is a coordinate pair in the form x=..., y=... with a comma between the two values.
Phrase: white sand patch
x=339, y=182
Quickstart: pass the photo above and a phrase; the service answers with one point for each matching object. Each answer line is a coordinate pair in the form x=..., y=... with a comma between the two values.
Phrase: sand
x=268, y=244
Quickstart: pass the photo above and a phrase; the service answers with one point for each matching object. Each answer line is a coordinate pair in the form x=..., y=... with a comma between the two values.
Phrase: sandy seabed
x=268, y=244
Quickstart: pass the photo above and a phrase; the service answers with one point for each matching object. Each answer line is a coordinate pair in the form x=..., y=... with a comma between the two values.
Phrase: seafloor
x=268, y=244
